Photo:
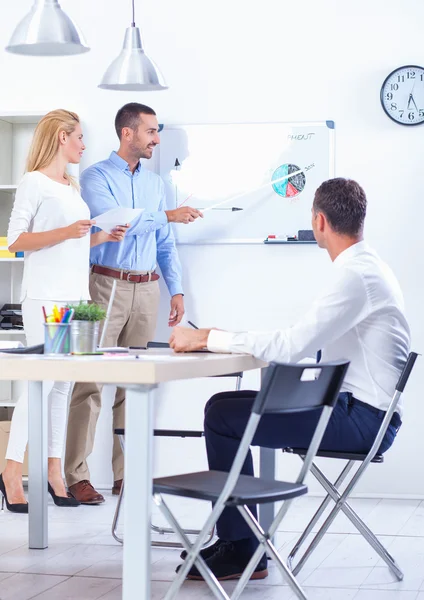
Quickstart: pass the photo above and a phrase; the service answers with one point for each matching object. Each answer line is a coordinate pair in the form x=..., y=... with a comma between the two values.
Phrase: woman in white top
x=50, y=222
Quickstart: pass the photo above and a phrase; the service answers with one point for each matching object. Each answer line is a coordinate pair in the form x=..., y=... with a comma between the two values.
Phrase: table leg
x=37, y=465
x=138, y=492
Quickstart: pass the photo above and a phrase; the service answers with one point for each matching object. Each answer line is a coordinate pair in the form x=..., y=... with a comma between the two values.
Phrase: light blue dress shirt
x=150, y=240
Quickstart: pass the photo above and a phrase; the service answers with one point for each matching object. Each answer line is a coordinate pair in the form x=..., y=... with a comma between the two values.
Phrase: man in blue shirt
x=121, y=180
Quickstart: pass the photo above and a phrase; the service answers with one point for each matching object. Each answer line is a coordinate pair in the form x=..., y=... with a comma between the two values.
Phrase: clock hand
x=411, y=99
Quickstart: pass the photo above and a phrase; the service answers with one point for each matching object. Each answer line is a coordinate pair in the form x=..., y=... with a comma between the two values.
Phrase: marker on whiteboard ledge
x=232, y=208
x=277, y=238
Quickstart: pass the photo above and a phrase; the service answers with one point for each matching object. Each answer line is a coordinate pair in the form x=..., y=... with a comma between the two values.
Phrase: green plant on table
x=87, y=312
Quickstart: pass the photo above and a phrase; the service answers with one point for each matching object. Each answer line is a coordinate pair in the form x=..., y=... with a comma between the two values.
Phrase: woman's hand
x=78, y=229
x=118, y=233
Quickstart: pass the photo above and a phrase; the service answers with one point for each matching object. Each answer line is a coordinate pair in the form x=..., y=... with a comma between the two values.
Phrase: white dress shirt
x=360, y=318
x=59, y=272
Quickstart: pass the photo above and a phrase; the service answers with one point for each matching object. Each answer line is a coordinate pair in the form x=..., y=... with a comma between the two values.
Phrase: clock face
x=402, y=95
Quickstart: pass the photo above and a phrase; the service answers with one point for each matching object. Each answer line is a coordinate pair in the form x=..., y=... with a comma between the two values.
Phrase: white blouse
x=59, y=272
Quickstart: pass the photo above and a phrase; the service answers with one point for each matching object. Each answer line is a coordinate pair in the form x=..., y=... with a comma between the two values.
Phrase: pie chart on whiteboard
x=291, y=186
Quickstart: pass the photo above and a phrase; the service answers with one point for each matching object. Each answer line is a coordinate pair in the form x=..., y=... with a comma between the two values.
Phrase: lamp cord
x=133, y=14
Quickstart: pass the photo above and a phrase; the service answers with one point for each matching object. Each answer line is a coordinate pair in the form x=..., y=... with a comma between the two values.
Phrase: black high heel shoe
x=61, y=500
x=16, y=508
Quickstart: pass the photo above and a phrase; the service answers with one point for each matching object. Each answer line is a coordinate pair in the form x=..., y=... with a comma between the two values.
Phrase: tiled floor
x=84, y=562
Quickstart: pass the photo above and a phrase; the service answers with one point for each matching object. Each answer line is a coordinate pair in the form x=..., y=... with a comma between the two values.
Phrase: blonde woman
x=51, y=223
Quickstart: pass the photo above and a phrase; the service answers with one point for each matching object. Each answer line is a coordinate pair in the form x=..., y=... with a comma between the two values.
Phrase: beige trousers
x=132, y=322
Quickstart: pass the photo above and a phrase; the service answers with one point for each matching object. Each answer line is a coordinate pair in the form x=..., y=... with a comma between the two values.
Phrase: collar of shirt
x=123, y=165
x=350, y=252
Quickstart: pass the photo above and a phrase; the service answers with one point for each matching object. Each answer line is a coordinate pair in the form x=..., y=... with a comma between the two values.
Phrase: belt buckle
x=129, y=277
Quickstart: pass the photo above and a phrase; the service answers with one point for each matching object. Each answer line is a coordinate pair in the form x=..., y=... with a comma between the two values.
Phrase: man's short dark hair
x=129, y=116
x=344, y=204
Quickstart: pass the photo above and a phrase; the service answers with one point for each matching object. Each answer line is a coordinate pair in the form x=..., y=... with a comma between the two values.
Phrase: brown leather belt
x=125, y=275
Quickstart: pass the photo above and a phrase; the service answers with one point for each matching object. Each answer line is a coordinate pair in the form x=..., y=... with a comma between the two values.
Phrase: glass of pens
x=57, y=331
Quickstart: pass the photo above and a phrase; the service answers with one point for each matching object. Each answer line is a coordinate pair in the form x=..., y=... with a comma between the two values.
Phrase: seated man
x=360, y=318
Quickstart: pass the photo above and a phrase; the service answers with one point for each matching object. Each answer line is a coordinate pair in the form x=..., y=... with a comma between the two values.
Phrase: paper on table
x=116, y=216
x=113, y=349
x=162, y=358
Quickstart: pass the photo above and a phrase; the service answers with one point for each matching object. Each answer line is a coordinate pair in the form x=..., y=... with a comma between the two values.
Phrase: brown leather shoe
x=116, y=490
x=84, y=492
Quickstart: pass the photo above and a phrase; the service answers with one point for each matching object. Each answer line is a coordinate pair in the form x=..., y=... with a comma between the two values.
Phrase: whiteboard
x=268, y=170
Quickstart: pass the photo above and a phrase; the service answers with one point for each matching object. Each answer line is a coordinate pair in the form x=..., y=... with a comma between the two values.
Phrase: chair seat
x=239, y=374
x=208, y=485
x=178, y=433
x=378, y=458
x=170, y=433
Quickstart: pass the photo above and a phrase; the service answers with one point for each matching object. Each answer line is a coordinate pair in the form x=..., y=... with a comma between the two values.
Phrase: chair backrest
x=39, y=349
x=291, y=388
x=296, y=388
x=406, y=371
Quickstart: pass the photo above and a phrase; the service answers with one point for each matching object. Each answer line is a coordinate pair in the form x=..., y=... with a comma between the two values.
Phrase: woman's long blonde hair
x=45, y=142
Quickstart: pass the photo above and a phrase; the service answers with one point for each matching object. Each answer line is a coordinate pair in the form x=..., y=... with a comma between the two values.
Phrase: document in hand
x=116, y=216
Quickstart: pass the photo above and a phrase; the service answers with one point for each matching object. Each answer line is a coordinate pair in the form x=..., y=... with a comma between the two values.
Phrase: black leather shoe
x=228, y=562
x=205, y=552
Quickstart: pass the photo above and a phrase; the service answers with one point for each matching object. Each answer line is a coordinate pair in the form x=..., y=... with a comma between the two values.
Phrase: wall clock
x=402, y=95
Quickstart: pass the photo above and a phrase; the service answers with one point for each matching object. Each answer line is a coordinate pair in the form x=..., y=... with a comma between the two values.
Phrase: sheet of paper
x=161, y=358
x=113, y=349
x=116, y=216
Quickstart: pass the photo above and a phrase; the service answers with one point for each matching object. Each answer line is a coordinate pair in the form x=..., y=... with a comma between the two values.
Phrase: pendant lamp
x=47, y=31
x=133, y=70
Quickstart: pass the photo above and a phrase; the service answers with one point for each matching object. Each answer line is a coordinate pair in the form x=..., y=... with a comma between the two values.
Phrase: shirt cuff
x=162, y=218
x=175, y=288
x=220, y=341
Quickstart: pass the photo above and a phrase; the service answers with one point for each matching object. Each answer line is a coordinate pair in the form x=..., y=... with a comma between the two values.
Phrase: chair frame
x=155, y=528
x=340, y=499
x=164, y=433
x=264, y=538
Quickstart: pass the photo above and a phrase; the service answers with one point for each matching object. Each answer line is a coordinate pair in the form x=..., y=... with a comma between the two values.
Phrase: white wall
x=276, y=61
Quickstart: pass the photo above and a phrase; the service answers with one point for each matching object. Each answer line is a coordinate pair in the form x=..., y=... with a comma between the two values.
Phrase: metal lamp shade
x=133, y=70
x=47, y=31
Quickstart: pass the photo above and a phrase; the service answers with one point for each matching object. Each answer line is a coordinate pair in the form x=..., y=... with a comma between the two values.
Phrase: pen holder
x=57, y=338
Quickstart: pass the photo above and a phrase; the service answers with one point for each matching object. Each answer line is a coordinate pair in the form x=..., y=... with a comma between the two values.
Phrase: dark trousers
x=353, y=427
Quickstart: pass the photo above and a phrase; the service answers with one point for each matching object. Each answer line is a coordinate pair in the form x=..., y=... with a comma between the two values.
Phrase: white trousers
x=58, y=397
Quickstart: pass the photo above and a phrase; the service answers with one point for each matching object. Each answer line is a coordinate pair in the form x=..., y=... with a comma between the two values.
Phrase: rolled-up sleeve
x=27, y=199
x=222, y=341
